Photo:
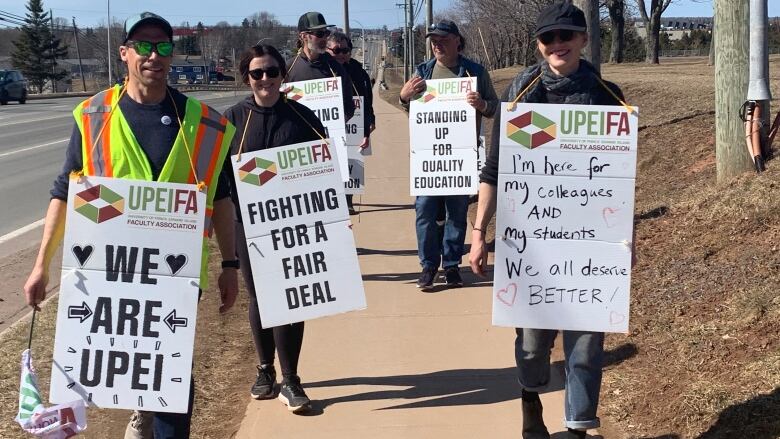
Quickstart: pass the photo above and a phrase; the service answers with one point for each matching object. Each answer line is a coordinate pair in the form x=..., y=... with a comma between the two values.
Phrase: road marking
x=21, y=231
x=36, y=120
x=30, y=148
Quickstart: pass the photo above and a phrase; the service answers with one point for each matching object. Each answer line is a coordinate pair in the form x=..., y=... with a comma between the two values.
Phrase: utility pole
x=731, y=84
x=428, y=23
x=411, y=37
x=592, y=51
x=78, y=53
x=406, y=39
x=108, y=39
x=53, y=72
x=346, y=18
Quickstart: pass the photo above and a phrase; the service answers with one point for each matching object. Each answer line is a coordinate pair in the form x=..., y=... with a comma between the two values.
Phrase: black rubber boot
x=533, y=422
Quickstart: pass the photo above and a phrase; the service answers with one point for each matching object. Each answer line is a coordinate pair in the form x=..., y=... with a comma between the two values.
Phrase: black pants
x=287, y=340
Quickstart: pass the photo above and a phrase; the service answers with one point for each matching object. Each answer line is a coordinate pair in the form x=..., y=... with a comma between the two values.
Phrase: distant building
x=187, y=69
x=676, y=27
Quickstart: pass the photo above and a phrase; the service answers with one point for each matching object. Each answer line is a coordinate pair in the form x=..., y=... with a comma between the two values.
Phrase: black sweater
x=283, y=124
x=362, y=83
x=301, y=69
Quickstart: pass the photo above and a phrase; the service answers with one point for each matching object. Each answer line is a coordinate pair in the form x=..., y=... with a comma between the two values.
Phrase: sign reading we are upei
x=325, y=98
x=443, y=139
x=564, y=223
x=128, y=294
x=298, y=234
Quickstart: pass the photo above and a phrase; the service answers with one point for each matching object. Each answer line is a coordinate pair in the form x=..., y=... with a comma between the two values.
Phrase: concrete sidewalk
x=414, y=364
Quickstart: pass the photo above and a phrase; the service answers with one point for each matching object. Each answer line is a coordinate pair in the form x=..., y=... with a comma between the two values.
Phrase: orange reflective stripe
x=198, y=140
x=215, y=153
x=86, y=136
x=105, y=137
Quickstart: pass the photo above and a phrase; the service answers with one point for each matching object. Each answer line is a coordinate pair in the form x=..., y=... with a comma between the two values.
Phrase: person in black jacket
x=275, y=121
x=314, y=62
x=563, y=78
x=340, y=47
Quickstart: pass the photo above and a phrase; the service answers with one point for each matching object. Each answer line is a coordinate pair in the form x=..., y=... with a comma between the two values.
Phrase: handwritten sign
x=325, y=98
x=356, y=156
x=564, y=220
x=128, y=294
x=301, y=247
x=443, y=133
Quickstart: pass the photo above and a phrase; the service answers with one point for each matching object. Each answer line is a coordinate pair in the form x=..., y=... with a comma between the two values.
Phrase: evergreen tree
x=37, y=50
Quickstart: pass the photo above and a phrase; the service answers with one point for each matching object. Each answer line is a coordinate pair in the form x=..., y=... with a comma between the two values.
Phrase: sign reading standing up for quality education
x=357, y=162
x=298, y=233
x=443, y=134
x=129, y=293
x=325, y=98
x=565, y=212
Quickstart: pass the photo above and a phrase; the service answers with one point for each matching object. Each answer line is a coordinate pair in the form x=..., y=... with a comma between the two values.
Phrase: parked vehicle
x=13, y=87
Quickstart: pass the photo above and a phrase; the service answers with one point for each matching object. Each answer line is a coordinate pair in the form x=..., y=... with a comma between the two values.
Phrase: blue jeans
x=174, y=425
x=434, y=245
x=583, y=353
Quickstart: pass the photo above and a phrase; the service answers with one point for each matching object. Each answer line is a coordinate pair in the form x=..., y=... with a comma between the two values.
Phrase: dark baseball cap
x=135, y=21
x=561, y=16
x=312, y=21
x=443, y=28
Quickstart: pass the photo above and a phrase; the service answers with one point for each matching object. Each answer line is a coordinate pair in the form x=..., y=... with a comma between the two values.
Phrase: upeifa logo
x=295, y=94
x=428, y=95
x=99, y=204
x=257, y=171
x=531, y=130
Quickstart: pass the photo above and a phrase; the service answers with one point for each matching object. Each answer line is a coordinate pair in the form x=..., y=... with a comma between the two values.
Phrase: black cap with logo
x=561, y=16
x=443, y=28
x=135, y=21
x=312, y=21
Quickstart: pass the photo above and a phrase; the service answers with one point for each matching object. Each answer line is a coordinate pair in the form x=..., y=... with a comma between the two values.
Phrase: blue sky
x=371, y=13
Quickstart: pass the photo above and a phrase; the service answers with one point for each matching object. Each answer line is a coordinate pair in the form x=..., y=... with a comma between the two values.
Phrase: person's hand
x=228, y=288
x=35, y=287
x=475, y=100
x=478, y=256
x=364, y=144
x=285, y=88
x=413, y=87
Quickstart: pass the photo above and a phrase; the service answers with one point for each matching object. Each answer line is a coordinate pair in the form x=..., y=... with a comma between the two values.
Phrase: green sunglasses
x=145, y=48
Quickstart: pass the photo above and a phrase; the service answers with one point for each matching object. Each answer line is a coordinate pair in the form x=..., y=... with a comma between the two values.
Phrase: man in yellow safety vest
x=145, y=130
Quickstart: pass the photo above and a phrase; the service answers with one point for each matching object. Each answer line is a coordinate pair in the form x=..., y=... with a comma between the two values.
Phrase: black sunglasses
x=338, y=50
x=271, y=72
x=319, y=33
x=563, y=34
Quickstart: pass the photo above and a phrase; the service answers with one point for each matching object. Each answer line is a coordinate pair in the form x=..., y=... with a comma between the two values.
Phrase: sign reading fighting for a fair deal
x=356, y=155
x=128, y=294
x=443, y=139
x=565, y=212
x=298, y=233
x=325, y=98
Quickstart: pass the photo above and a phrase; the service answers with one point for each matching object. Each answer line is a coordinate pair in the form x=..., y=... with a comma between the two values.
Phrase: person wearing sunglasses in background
x=434, y=246
x=145, y=139
x=313, y=60
x=266, y=119
x=340, y=47
x=561, y=34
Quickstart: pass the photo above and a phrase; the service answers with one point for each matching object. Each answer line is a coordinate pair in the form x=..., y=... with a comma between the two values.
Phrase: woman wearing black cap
x=265, y=119
x=560, y=78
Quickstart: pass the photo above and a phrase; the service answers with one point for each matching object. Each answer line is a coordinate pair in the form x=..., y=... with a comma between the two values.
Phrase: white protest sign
x=564, y=217
x=128, y=294
x=325, y=98
x=298, y=233
x=357, y=163
x=443, y=139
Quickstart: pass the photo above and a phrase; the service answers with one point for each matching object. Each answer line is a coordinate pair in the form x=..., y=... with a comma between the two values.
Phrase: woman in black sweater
x=274, y=121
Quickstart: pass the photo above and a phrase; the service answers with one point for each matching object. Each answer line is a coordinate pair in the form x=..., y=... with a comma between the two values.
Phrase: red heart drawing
x=610, y=216
x=507, y=295
x=616, y=318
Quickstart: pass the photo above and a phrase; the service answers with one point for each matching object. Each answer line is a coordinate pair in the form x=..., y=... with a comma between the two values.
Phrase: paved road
x=32, y=148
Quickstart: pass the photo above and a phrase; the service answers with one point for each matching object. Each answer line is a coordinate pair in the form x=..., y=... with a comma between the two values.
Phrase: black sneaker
x=425, y=282
x=265, y=382
x=452, y=277
x=293, y=396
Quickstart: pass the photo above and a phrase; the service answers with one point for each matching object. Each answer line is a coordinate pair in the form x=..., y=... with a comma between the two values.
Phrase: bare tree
x=652, y=23
x=592, y=51
x=617, y=19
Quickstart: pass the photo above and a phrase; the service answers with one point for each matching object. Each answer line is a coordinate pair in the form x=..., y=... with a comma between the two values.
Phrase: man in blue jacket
x=434, y=247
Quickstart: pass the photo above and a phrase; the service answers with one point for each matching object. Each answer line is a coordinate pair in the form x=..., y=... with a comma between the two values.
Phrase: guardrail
x=209, y=87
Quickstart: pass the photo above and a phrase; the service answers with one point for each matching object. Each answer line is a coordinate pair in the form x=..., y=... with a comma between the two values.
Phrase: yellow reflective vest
x=113, y=151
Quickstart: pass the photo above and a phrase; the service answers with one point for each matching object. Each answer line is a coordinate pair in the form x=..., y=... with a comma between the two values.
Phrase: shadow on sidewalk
x=470, y=280
x=383, y=207
x=371, y=251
